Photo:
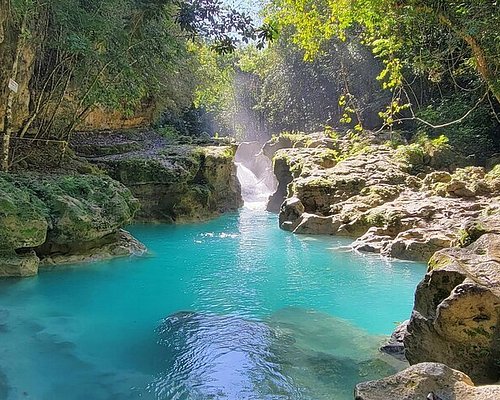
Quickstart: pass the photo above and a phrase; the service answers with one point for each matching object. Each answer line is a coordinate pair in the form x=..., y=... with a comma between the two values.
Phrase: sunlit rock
x=426, y=381
x=456, y=316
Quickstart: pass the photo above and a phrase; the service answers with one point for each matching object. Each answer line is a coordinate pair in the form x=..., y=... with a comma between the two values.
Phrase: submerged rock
x=426, y=381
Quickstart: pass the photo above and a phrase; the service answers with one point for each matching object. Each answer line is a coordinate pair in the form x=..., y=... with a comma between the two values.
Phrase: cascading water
x=255, y=174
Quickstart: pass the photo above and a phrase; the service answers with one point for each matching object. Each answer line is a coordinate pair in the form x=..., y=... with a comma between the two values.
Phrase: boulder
x=14, y=265
x=291, y=214
x=426, y=381
x=178, y=183
x=456, y=316
x=62, y=218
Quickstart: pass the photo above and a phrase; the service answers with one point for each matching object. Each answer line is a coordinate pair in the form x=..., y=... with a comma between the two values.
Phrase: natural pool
x=253, y=313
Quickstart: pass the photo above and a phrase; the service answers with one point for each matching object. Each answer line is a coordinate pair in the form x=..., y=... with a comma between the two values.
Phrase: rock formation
x=426, y=381
x=371, y=192
x=57, y=219
x=457, y=309
x=173, y=182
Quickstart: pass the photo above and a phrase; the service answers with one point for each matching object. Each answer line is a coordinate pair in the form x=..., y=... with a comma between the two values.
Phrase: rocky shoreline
x=49, y=219
x=415, y=202
x=76, y=212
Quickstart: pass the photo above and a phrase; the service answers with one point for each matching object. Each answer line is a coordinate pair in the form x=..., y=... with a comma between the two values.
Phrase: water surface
x=229, y=309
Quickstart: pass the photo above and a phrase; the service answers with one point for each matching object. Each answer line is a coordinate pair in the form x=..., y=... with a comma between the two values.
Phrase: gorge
x=237, y=200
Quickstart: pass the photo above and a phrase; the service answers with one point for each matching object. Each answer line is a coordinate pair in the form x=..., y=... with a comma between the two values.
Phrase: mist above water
x=255, y=174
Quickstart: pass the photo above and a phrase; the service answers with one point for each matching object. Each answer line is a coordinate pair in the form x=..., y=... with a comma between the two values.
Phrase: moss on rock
x=58, y=211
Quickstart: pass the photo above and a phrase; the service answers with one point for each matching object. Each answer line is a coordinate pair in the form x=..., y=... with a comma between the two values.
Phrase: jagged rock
x=457, y=311
x=395, y=345
x=290, y=164
x=284, y=177
x=179, y=183
x=426, y=381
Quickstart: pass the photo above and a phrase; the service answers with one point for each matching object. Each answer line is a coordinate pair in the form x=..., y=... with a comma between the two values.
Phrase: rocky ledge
x=47, y=220
x=456, y=316
x=174, y=180
x=414, y=202
x=426, y=381
x=393, y=200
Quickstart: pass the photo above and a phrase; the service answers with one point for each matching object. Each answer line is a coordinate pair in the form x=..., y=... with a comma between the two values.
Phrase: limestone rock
x=19, y=265
x=119, y=244
x=371, y=194
x=173, y=182
x=457, y=311
x=60, y=217
x=426, y=381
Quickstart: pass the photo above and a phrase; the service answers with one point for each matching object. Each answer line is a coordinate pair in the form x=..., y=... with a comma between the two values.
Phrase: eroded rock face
x=457, y=311
x=173, y=182
x=59, y=219
x=426, y=381
x=373, y=196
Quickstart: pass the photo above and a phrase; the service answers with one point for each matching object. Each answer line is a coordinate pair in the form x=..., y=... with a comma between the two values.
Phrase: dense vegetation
x=419, y=67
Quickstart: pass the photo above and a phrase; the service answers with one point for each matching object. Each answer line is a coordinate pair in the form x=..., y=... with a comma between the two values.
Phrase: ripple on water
x=277, y=316
x=296, y=354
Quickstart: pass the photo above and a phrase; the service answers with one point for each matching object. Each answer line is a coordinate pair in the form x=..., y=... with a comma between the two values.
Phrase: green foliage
x=476, y=135
x=449, y=43
x=169, y=133
x=121, y=55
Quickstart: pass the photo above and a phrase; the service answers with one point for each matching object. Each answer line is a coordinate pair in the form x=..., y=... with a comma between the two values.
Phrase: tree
x=464, y=34
x=109, y=53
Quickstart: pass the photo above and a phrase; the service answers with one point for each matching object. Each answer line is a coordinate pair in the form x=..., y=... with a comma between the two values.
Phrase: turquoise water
x=229, y=309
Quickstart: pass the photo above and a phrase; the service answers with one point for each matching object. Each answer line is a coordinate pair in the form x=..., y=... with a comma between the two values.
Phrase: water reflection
x=215, y=357
x=295, y=354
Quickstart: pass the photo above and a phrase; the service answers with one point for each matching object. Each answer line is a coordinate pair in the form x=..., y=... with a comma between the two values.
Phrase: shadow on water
x=296, y=354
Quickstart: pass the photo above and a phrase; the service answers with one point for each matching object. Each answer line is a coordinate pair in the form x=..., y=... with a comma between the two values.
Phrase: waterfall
x=255, y=174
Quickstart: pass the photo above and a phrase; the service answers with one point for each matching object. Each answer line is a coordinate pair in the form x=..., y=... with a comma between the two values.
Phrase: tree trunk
x=483, y=66
x=8, y=129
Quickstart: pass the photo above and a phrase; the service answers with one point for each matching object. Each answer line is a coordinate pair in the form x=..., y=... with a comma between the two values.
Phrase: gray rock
x=456, y=316
x=424, y=381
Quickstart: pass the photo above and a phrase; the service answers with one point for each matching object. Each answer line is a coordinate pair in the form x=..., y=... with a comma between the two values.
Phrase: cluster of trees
x=256, y=93
x=421, y=66
x=70, y=56
x=418, y=66
x=76, y=55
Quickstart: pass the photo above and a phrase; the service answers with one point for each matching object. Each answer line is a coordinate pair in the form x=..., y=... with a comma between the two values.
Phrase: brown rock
x=457, y=311
x=426, y=381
